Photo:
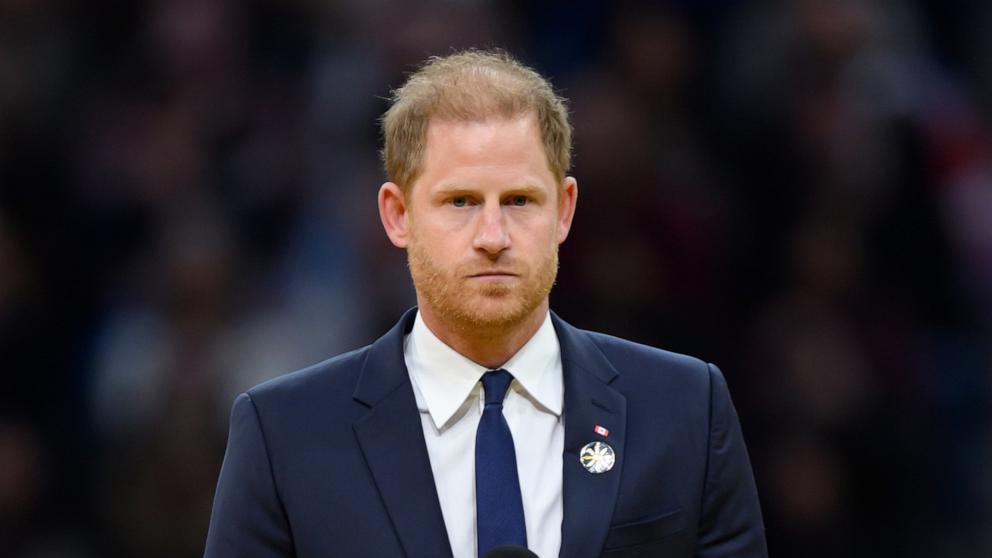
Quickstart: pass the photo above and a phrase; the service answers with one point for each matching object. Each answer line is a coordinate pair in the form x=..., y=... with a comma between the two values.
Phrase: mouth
x=493, y=275
x=492, y=272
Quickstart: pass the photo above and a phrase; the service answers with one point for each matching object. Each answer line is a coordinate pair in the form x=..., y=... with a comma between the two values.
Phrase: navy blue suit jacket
x=330, y=461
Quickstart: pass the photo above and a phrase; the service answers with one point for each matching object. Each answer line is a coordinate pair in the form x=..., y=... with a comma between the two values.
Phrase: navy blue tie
x=499, y=508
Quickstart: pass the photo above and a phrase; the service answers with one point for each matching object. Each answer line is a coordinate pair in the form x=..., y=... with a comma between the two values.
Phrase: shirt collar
x=445, y=378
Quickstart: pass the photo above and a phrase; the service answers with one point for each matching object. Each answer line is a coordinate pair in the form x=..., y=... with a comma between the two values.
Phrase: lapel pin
x=601, y=431
x=597, y=457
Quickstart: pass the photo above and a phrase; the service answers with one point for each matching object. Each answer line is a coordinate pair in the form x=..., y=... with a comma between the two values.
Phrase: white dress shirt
x=450, y=400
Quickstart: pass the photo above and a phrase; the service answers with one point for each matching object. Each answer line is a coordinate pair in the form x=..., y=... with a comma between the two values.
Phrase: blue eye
x=460, y=201
x=520, y=200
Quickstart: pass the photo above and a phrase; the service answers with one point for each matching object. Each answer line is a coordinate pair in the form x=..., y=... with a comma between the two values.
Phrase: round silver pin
x=597, y=457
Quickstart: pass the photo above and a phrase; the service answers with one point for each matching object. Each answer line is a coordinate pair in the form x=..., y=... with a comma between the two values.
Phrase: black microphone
x=509, y=551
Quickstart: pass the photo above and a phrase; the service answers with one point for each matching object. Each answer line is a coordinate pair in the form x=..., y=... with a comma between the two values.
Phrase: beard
x=487, y=309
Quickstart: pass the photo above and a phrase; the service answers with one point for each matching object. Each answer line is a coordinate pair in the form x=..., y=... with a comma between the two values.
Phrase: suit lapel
x=392, y=439
x=589, y=499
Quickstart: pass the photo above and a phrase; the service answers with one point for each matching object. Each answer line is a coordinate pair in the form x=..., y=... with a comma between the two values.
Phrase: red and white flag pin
x=601, y=431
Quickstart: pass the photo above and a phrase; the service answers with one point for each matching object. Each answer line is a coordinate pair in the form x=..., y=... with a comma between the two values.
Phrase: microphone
x=509, y=551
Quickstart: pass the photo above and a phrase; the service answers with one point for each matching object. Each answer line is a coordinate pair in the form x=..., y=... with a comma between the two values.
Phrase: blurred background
x=799, y=191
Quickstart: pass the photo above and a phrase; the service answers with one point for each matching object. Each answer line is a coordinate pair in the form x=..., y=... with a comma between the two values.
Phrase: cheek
x=442, y=243
x=549, y=231
x=444, y=223
x=440, y=246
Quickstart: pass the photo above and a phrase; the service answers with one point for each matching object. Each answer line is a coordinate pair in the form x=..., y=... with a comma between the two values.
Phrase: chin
x=490, y=313
x=489, y=309
x=502, y=311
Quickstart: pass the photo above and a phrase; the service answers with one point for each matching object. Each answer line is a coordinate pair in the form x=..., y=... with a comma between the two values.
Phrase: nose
x=492, y=235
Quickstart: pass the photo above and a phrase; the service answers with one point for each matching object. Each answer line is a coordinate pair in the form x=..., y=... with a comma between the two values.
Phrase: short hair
x=468, y=86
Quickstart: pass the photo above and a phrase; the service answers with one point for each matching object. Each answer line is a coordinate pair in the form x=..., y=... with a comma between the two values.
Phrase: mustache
x=500, y=265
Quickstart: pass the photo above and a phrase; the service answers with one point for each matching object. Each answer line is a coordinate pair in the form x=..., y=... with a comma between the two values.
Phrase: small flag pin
x=601, y=431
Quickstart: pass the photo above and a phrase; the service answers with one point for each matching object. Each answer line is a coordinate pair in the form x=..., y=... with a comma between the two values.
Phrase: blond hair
x=469, y=86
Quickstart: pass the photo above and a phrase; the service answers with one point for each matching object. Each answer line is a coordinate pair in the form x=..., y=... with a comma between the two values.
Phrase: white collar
x=445, y=378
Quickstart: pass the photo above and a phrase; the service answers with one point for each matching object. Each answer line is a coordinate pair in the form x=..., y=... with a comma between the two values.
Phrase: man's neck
x=490, y=347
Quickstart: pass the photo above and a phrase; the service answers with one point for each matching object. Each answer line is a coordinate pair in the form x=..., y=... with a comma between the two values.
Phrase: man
x=530, y=432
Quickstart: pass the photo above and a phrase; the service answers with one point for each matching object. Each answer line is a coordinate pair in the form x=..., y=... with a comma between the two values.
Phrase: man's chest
x=538, y=438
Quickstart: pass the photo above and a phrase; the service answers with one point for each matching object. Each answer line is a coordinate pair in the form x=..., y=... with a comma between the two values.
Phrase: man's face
x=483, y=223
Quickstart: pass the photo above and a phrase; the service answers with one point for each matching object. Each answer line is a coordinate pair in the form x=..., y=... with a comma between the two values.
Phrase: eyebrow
x=448, y=189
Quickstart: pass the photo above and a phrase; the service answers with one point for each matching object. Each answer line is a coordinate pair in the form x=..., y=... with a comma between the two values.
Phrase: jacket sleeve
x=248, y=518
x=730, y=523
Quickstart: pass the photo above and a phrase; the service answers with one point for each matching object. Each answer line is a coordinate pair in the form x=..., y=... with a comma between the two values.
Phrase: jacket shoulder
x=623, y=348
x=334, y=375
x=649, y=369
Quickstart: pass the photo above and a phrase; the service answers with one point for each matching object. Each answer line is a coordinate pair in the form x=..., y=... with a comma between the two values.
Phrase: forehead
x=491, y=148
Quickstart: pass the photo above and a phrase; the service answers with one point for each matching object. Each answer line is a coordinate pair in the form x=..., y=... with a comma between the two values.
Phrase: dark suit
x=331, y=460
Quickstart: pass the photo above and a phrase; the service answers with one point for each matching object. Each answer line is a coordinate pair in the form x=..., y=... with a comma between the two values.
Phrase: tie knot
x=495, y=383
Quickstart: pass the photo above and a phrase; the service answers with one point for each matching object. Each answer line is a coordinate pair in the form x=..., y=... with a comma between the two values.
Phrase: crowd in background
x=797, y=190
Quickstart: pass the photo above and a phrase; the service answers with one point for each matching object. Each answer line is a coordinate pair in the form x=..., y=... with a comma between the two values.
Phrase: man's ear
x=566, y=206
x=393, y=212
